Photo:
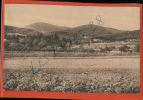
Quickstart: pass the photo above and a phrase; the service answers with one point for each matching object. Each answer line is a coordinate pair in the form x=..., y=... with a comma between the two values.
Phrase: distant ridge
x=45, y=27
x=90, y=31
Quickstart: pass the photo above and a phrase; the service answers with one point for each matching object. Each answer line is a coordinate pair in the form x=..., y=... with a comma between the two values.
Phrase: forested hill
x=38, y=39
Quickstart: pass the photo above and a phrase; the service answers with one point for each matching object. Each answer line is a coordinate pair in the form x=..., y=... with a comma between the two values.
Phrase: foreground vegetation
x=93, y=80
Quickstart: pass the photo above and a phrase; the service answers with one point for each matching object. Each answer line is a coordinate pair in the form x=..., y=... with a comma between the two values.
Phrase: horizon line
x=72, y=26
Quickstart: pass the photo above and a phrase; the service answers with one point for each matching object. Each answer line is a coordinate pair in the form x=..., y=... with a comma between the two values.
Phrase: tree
x=6, y=45
x=64, y=44
x=124, y=48
x=107, y=49
x=35, y=44
x=137, y=48
x=42, y=44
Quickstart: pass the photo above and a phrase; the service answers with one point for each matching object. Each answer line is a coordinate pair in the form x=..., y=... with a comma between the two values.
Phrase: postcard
x=71, y=50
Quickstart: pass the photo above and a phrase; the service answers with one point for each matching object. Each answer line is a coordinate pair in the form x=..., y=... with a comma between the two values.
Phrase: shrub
x=137, y=48
x=124, y=48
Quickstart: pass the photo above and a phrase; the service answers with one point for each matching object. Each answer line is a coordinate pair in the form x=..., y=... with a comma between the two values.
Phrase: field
x=90, y=75
x=73, y=80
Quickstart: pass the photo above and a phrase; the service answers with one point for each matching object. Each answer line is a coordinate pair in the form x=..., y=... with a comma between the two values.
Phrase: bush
x=107, y=49
x=124, y=48
x=137, y=48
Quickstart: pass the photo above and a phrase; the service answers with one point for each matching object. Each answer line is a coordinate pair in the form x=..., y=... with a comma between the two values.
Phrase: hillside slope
x=45, y=28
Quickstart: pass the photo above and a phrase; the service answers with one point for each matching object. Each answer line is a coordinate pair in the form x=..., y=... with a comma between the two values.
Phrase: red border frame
x=83, y=96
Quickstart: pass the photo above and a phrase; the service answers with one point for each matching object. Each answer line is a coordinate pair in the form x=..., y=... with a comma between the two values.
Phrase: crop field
x=120, y=80
x=77, y=75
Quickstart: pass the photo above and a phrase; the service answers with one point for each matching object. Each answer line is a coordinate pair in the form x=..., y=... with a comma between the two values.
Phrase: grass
x=77, y=80
x=11, y=54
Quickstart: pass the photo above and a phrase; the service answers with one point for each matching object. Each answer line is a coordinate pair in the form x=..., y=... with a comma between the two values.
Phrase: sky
x=122, y=18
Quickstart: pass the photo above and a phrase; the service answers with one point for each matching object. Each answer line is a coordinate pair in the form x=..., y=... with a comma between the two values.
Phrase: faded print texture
x=72, y=49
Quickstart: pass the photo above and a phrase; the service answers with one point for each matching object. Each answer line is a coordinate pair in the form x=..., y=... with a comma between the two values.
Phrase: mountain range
x=43, y=36
x=92, y=31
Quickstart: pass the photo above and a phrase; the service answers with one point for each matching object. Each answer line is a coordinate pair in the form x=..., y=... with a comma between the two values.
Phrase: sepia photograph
x=76, y=49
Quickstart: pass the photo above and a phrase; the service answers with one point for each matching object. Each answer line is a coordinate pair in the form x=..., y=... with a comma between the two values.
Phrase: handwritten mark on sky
x=99, y=20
